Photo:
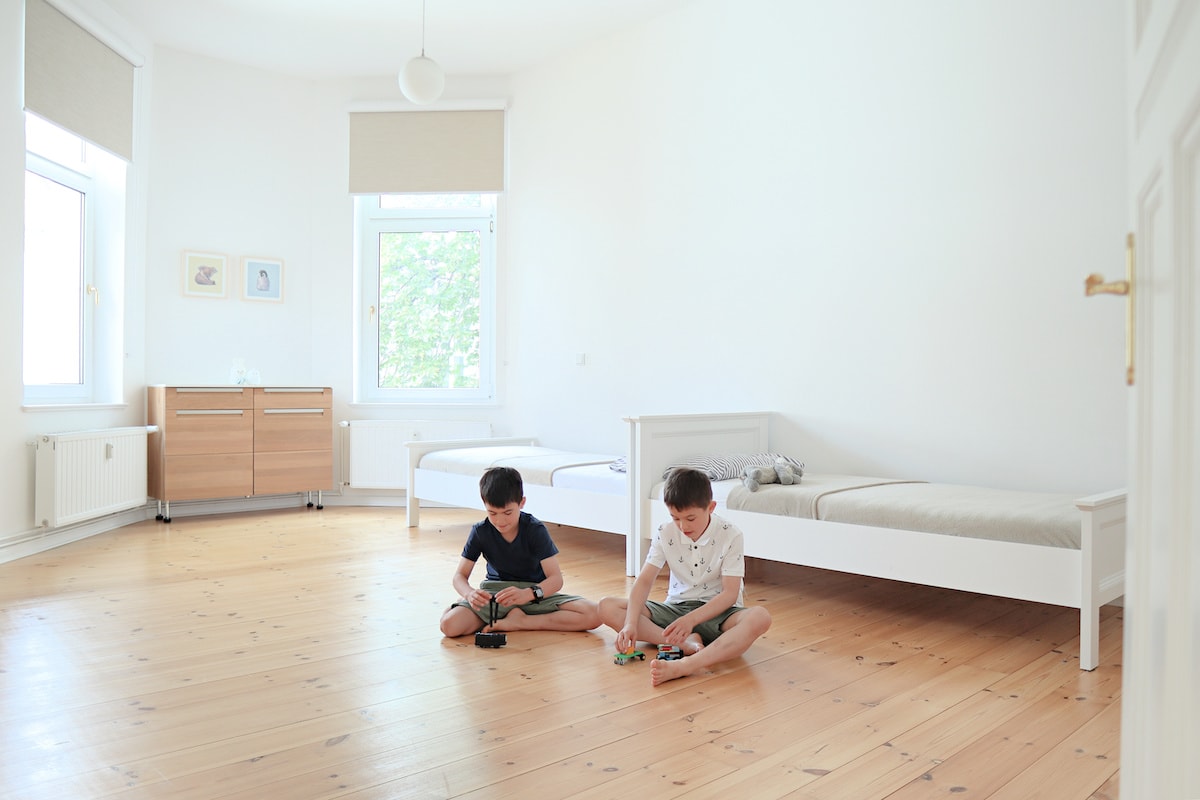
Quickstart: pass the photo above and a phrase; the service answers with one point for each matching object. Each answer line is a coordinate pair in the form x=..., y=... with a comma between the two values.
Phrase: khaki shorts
x=663, y=614
x=549, y=604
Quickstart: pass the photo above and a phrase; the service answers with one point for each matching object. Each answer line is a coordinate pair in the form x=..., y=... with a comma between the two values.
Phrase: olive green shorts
x=663, y=614
x=549, y=604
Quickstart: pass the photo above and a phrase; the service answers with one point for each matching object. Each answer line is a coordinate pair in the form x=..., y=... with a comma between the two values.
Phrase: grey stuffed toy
x=752, y=477
x=783, y=472
x=788, y=473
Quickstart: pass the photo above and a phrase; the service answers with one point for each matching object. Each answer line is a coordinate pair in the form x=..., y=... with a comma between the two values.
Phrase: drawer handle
x=210, y=412
x=293, y=411
x=293, y=389
x=208, y=389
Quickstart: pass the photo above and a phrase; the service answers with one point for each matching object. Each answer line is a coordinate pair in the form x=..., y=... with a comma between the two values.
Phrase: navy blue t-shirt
x=518, y=560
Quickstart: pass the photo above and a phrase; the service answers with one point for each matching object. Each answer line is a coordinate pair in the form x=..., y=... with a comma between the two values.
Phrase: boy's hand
x=479, y=598
x=514, y=596
x=678, y=631
x=626, y=639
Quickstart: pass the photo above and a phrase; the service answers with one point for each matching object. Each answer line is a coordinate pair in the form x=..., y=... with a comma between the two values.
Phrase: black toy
x=493, y=638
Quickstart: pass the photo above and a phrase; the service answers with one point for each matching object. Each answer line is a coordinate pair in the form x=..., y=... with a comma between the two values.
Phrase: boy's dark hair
x=687, y=488
x=500, y=486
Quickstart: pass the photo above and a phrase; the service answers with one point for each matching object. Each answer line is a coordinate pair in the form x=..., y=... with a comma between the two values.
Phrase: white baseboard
x=39, y=540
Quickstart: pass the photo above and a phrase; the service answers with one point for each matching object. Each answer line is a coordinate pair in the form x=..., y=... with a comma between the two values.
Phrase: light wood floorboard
x=295, y=654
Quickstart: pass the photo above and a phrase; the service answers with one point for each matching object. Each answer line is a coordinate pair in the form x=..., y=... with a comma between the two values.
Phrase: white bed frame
x=581, y=509
x=1085, y=579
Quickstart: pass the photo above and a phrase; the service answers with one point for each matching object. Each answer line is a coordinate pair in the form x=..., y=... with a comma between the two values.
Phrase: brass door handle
x=1095, y=284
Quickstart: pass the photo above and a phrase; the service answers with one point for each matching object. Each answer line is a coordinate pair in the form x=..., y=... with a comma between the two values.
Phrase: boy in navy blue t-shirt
x=522, y=569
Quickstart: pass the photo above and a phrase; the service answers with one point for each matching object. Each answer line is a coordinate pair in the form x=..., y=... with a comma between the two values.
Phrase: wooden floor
x=295, y=654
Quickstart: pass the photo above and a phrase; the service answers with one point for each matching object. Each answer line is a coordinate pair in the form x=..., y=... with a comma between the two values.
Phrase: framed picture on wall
x=205, y=274
x=262, y=279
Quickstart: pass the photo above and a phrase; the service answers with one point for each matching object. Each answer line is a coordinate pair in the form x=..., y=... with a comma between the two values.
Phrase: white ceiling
x=355, y=38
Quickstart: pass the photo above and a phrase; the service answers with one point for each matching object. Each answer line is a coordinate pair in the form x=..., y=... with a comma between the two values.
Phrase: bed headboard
x=657, y=441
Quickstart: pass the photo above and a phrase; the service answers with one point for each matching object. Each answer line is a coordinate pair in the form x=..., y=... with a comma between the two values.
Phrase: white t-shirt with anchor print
x=697, y=567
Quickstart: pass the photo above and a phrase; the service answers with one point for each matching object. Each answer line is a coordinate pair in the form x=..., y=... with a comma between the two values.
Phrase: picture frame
x=205, y=274
x=262, y=279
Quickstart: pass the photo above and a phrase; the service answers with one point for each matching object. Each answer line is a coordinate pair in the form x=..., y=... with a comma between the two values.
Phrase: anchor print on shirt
x=700, y=563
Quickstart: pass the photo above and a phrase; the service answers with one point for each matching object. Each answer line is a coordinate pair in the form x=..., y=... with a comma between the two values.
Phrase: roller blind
x=426, y=151
x=76, y=81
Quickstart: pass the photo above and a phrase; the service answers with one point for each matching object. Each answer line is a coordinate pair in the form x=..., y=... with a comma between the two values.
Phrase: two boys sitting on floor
x=703, y=613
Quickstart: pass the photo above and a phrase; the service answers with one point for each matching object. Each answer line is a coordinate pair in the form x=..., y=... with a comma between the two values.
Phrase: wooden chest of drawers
x=235, y=441
x=293, y=440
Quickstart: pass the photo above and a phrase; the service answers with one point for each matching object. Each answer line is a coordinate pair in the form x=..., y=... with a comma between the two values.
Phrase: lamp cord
x=422, y=28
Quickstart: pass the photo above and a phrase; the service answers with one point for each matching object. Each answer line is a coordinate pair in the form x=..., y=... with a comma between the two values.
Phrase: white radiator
x=85, y=474
x=377, y=458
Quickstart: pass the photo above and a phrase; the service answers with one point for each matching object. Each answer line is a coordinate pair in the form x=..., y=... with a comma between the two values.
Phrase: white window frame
x=370, y=221
x=101, y=178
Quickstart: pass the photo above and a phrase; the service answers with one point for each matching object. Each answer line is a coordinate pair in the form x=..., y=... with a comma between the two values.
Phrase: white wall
x=874, y=220
x=232, y=175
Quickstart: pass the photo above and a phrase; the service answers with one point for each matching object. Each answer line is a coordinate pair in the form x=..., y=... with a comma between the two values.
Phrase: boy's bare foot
x=663, y=671
x=692, y=646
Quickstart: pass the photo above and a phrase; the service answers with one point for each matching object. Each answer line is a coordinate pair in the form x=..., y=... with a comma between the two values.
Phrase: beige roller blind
x=76, y=81
x=426, y=151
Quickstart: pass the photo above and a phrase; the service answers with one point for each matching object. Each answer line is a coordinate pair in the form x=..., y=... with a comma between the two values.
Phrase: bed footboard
x=418, y=449
x=657, y=441
x=1102, y=566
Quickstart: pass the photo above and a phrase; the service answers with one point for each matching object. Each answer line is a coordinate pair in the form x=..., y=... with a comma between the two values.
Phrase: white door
x=1160, y=730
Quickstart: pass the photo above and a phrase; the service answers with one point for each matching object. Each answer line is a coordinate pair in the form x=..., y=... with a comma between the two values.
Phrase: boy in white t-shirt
x=703, y=613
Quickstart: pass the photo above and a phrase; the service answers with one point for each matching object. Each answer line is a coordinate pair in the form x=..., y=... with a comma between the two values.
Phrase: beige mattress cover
x=536, y=464
x=1015, y=516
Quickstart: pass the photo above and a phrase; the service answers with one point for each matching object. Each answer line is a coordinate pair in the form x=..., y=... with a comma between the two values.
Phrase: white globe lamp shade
x=422, y=80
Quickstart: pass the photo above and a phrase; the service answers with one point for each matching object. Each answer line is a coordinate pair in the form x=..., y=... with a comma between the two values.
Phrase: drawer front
x=300, y=471
x=293, y=397
x=196, y=432
x=203, y=477
x=201, y=397
x=288, y=429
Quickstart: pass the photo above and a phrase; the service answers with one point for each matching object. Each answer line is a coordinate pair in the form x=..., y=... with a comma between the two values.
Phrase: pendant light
x=422, y=80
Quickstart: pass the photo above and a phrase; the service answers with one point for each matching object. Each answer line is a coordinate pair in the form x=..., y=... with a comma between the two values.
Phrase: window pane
x=429, y=295
x=52, y=142
x=53, y=282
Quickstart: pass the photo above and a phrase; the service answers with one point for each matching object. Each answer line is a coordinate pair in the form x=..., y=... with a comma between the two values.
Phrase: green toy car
x=621, y=659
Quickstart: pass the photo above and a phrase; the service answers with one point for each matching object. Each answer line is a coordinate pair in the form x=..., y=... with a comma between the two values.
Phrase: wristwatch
x=537, y=593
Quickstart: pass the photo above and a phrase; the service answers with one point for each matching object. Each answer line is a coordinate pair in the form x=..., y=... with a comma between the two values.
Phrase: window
x=73, y=268
x=427, y=276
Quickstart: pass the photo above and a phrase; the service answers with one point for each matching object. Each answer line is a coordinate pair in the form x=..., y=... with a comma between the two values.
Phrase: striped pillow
x=729, y=466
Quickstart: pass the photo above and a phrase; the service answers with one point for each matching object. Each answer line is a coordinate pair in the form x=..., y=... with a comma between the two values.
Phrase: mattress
x=1039, y=518
x=596, y=478
x=545, y=466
